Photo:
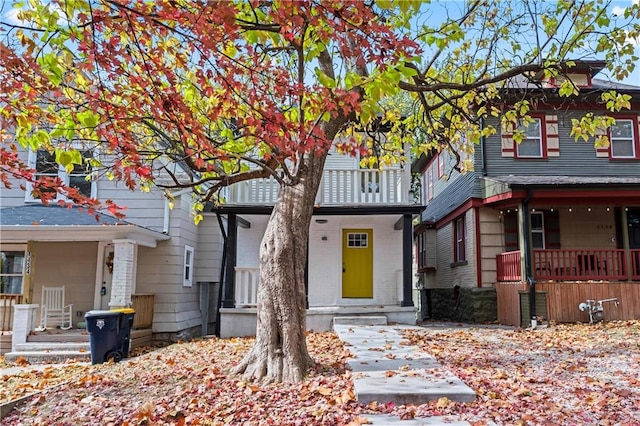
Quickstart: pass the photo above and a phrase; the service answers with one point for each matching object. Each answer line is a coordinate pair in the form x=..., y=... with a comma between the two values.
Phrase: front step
x=360, y=320
x=52, y=346
x=48, y=357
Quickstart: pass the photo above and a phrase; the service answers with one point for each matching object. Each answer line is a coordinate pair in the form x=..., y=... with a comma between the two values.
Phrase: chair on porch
x=54, y=313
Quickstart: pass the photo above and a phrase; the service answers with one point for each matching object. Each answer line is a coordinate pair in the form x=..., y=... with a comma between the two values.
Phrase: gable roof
x=38, y=214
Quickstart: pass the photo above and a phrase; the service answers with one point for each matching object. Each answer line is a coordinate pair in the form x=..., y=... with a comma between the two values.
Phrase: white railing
x=246, y=286
x=359, y=186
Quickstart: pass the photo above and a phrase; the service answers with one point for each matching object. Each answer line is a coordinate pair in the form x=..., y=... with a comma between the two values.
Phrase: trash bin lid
x=92, y=314
x=124, y=310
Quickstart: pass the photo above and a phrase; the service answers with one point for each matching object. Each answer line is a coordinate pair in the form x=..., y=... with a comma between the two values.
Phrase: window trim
x=62, y=174
x=23, y=272
x=543, y=139
x=430, y=184
x=459, y=240
x=635, y=137
x=541, y=231
x=189, y=263
x=440, y=164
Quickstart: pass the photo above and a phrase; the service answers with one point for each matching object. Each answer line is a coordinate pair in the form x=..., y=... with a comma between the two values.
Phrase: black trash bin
x=104, y=335
x=126, y=324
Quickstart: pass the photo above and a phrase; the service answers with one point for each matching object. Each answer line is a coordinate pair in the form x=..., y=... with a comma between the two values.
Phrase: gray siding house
x=550, y=213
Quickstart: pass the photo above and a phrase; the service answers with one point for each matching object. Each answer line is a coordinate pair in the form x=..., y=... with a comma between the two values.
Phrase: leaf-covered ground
x=567, y=374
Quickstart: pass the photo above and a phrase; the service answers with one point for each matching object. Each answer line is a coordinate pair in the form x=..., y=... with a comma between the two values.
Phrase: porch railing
x=359, y=186
x=7, y=302
x=143, y=305
x=571, y=264
x=246, y=286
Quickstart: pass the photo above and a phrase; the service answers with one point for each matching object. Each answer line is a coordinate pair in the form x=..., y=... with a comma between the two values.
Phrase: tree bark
x=280, y=350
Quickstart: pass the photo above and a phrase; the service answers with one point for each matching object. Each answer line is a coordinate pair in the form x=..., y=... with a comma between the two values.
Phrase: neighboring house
x=584, y=214
x=360, y=246
x=156, y=259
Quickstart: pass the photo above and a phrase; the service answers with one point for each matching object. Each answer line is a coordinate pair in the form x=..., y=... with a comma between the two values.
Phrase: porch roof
x=614, y=190
x=37, y=222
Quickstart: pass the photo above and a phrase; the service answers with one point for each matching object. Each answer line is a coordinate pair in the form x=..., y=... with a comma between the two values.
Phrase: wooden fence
x=7, y=302
x=143, y=305
x=563, y=299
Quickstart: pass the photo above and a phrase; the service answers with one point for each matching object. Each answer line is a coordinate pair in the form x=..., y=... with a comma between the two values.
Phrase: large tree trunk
x=280, y=350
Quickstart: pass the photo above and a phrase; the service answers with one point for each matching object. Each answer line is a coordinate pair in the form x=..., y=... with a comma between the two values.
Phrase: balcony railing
x=572, y=265
x=360, y=186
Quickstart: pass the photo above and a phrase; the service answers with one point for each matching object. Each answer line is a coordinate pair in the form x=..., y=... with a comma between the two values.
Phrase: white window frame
x=189, y=263
x=630, y=139
x=528, y=138
x=62, y=174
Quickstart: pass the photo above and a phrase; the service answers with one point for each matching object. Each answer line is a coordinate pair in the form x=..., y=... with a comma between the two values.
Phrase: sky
x=9, y=14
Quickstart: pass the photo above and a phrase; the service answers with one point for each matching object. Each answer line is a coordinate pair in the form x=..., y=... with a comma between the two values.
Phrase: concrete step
x=60, y=337
x=388, y=369
x=52, y=346
x=40, y=357
x=360, y=320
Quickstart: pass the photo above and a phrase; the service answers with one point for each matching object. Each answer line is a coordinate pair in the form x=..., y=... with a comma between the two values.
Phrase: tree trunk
x=280, y=350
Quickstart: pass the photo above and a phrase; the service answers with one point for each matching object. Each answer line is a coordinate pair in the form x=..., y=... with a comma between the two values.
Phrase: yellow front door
x=357, y=263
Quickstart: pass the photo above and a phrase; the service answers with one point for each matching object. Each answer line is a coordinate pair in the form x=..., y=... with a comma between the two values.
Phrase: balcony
x=359, y=186
x=572, y=265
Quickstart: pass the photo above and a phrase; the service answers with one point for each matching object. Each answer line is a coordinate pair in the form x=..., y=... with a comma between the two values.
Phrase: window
x=44, y=162
x=429, y=183
x=459, y=254
x=441, y=164
x=188, y=266
x=421, y=245
x=11, y=271
x=537, y=230
x=532, y=142
x=623, y=143
x=357, y=240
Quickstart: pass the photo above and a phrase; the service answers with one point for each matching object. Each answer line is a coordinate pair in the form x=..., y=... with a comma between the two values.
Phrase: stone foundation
x=472, y=305
x=180, y=336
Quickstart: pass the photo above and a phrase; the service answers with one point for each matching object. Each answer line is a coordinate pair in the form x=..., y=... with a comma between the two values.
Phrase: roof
x=36, y=222
x=551, y=181
x=38, y=214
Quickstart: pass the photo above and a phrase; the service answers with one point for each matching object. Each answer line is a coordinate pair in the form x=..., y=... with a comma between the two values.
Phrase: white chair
x=54, y=313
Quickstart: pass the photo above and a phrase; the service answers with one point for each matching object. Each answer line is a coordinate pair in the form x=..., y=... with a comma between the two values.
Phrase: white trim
x=189, y=263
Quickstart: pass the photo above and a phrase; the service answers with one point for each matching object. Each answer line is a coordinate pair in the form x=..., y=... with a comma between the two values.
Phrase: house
x=155, y=260
x=576, y=205
x=169, y=269
x=360, y=246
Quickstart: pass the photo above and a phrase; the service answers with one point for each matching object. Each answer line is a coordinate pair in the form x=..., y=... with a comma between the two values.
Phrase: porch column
x=526, y=255
x=624, y=221
x=228, y=300
x=407, y=260
x=29, y=272
x=23, y=321
x=123, y=279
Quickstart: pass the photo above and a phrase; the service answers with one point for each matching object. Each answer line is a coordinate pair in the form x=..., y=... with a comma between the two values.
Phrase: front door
x=357, y=263
x=633, y=221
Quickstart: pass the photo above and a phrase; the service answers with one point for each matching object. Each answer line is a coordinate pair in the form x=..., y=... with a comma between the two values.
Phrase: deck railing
x=571, y=265
x=359, y=186
x=246, y=287
x=7, y=302
x=143, y=305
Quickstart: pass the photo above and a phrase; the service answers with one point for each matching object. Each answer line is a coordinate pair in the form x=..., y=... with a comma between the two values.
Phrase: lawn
x=565, y=374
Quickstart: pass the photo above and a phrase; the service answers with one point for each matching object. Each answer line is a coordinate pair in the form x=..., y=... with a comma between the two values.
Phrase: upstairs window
x=430, y=184
x=623, y=139
x=44, y=162
x=441, y=164
x=532, y=143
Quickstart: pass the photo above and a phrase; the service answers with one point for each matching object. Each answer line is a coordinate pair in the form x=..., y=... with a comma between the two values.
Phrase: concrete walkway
x=388, y=369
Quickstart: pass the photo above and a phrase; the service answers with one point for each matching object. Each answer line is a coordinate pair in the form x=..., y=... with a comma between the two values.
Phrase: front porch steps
x=360, y=320
x=49, y=353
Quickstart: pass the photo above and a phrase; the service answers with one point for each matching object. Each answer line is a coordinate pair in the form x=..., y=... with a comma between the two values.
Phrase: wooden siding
x=563, y=299
x=491, y=243
x=143, y=305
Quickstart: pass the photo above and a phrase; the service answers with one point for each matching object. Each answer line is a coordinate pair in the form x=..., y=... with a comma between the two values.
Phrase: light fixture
x=551, y=209
x=588, y=209
x=608, y=209
x=570, y=209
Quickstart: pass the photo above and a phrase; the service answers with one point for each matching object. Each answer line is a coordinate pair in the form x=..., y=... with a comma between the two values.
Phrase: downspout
x=526, y=219
x=222, y=271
